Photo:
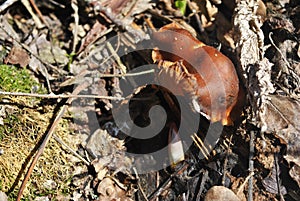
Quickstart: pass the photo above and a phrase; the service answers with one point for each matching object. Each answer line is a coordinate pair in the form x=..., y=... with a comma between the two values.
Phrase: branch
x=58, y=96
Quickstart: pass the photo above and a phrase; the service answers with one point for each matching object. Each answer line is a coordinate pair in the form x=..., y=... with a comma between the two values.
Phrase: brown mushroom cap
x=190, y=67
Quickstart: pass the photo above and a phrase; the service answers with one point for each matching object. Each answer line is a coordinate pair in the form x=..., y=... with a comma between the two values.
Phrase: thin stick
x=35, y=18
x=195, y=139
x=47, y=138
x=79, y=96
x=60, y=141
x=74, y=5
x=37, y=10
x=157, y=183
x=139, y=185
x=117, y=58
x=6, y=4
x=281, y=54
x=127, y=74
x=226, y=161
x=251, y=166
x=59, y=96
x=242, y=186
x=202, y=144
x=167, y=184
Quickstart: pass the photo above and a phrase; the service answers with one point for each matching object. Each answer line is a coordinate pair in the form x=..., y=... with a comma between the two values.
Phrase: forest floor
x=86, y=112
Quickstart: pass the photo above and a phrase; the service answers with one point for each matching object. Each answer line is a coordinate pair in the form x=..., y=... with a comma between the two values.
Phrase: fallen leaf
x=272, y=183
x=17, y=55
x=281, y=116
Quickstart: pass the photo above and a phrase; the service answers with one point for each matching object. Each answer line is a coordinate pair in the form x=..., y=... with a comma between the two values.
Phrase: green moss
x=13, y=79
x=181, y=5
x=25, y=121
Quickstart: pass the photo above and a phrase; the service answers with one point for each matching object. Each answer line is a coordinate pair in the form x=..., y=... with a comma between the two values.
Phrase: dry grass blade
x=199, y=143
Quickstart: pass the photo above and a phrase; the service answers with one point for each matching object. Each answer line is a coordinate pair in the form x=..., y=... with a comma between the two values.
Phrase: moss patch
x=13, y=79
x=25, y=122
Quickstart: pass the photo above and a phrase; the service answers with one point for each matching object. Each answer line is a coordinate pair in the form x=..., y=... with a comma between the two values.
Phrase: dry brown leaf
x=109, y=153
x=126, y=8
x=281, y=116
x=96, y=31
x=272, y=183
x=17, y=55
x=100, y=144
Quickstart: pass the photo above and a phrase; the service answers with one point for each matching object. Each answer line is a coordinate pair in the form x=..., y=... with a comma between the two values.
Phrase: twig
x=157, y=183
x=57, y=4
x=37, y=10
x=282, y=56
x=226, y=161
x=160, y=190
x=74, y=5
x=200, y=145
x=277, y=177
x=59, y=96
x=248, y=178
x=127, y=74
x=164, y=186
x=251, y=166
x=34, y=17
x=204, y=179
x=138, y=34
x=6, y=4
x=196, y=14
x=139, y=185
x=117, y=58
x=47, y=138
x=60, y=141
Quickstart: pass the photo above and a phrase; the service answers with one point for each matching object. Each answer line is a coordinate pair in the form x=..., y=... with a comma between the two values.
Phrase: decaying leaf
x=109, y=153
x=48, y=52
x=272, y=113
x=122, y=14
x=109, y=191
x=272, y=183
x=100, y=144
x=17, y=55
x=281, y=116
x=94, y=34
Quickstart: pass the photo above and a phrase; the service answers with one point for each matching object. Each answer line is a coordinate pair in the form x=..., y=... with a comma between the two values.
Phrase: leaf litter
x=264, y=46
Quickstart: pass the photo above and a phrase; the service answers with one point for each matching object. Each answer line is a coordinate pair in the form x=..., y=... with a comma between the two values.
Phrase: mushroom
x=189, y=67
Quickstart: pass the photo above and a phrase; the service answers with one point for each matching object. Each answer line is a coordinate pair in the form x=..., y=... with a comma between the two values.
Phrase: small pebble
x=220, y=193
